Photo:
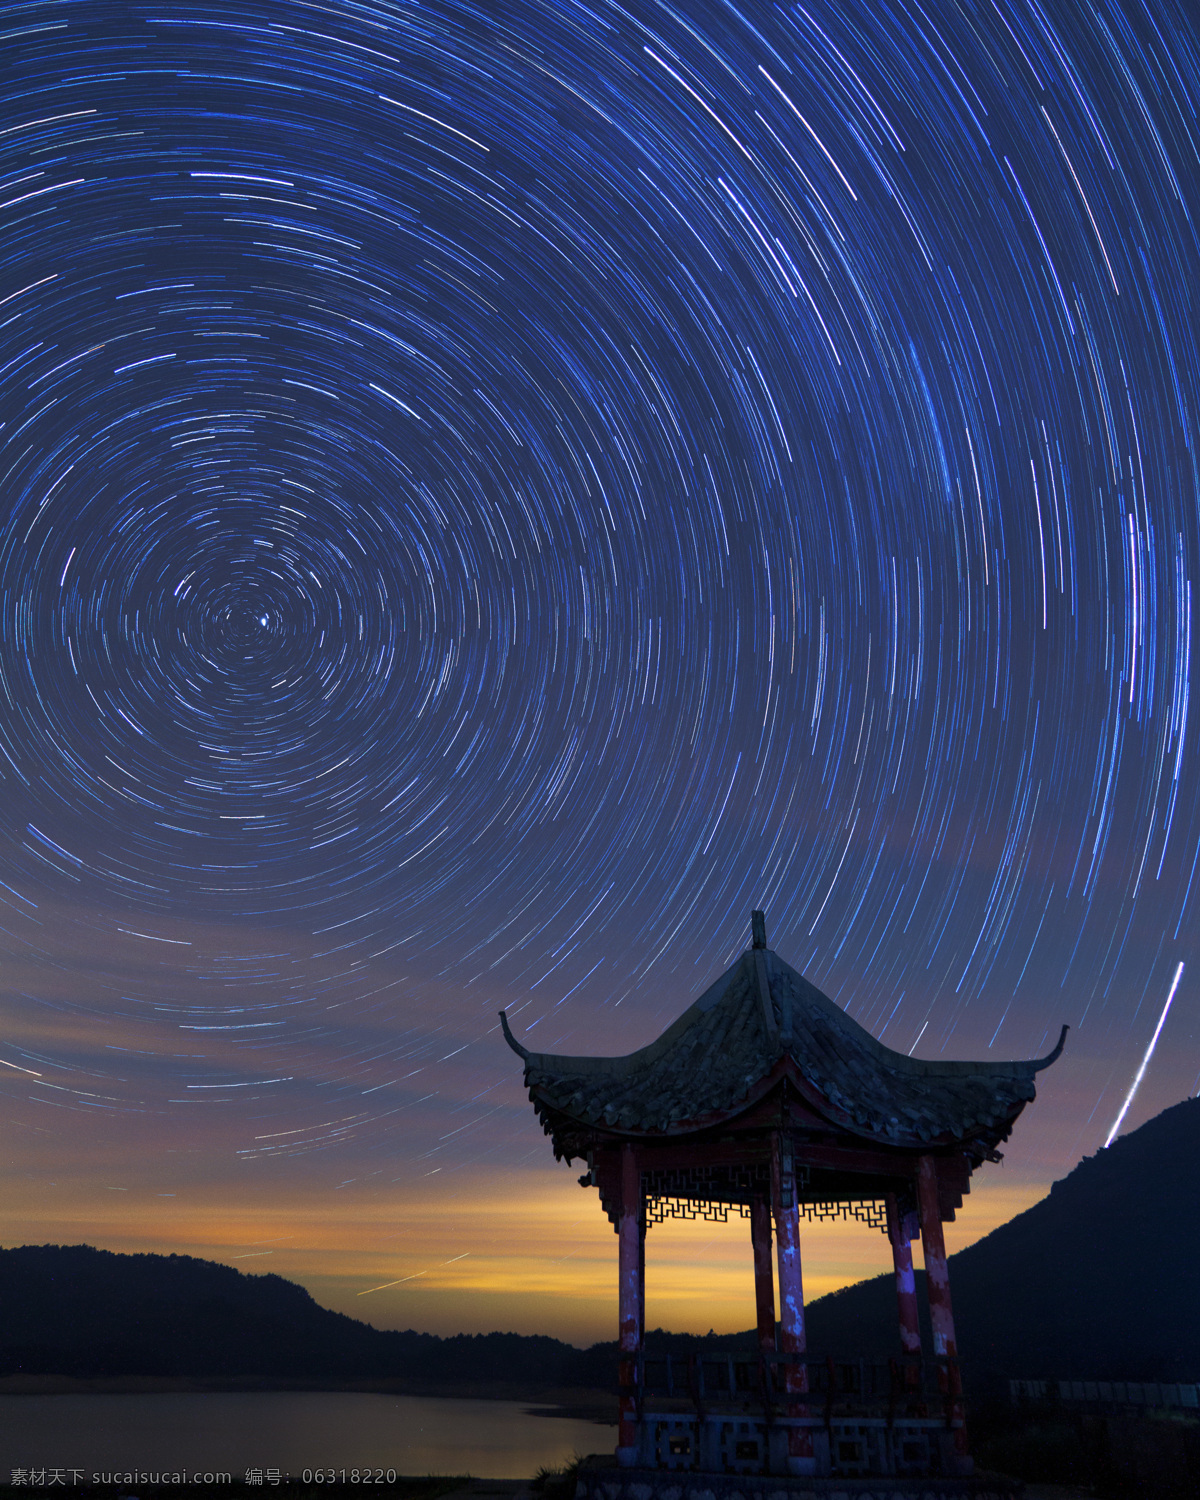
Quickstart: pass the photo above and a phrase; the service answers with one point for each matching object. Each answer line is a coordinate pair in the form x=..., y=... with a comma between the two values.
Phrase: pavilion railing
x=906, y=1388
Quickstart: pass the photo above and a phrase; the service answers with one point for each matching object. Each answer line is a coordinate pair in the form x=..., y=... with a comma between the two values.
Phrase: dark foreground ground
x=1059, y=1456
x=543, y=1486
x=428, y=1487
x=1143, y=1456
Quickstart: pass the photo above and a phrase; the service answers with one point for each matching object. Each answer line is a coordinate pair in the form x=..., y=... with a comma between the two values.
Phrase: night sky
x=491, y=493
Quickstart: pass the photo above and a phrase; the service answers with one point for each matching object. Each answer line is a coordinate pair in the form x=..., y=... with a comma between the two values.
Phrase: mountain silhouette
x=77, y=1311
x=1095, y=1282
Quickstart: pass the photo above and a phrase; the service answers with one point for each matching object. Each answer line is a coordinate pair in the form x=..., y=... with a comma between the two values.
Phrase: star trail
x=492, y=493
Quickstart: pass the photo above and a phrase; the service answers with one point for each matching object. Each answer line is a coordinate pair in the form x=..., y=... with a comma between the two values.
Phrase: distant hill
x=73, y=1310
x=1098, y=1281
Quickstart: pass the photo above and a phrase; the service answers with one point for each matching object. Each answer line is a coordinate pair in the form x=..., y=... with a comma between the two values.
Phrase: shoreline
x=549, y=1401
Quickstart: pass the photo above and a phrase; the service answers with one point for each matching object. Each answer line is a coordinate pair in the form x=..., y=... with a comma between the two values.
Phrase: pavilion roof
x=762, y=1020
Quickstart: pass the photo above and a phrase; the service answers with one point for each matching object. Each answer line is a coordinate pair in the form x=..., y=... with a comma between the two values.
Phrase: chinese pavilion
x=765, y=1097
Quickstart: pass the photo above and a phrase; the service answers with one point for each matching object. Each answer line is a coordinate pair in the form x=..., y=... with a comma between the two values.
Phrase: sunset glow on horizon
x=530, y=1256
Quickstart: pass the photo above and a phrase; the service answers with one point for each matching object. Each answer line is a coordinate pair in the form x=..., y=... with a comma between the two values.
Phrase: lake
x=227, y=1433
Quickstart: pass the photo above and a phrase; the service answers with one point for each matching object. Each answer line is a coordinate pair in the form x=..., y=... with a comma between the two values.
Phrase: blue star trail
x=491, y=494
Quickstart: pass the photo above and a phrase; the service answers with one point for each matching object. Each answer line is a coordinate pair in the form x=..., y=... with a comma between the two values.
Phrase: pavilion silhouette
x=766, y=1098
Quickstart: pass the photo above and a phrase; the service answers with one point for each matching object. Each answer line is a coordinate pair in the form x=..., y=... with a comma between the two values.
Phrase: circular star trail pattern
x=511, y=490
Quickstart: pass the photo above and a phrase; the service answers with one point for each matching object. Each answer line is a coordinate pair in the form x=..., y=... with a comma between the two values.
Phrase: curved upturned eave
x=975, y=1124
x=644, y=1056
x=900, y=1062
x=558, y=1120
x=695, y=1126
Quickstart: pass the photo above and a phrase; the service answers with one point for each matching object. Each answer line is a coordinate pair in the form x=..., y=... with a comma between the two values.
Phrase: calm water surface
x=287, y=1430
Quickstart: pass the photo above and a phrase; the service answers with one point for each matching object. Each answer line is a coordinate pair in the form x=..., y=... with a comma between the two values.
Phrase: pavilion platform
x=605, y=1480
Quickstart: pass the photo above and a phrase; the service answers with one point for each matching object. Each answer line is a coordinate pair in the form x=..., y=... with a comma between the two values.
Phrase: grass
x=558, y=1483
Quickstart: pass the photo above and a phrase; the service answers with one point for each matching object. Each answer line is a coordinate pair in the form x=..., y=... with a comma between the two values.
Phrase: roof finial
x=758, y=930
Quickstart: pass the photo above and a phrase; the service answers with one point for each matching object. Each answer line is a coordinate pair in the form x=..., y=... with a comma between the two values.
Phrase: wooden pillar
x=631, y=1301
x=906, y=1282
x=764, y=1276
x=941, y=1314
x=791, y=1299
x=641, y=1329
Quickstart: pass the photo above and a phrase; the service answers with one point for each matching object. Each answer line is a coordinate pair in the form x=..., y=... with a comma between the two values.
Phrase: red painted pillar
x=641, y=1331
x=941, y=1315
x=906, y=1281
x=630, y=1301
x=764, y=1276
x=791, y=1299
x=937, y=1282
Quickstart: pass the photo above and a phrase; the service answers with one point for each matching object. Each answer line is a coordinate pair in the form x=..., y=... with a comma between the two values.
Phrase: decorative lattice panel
x=872, y=1212
x=658, y=1209
x=708, y=1193
x=716, y=1184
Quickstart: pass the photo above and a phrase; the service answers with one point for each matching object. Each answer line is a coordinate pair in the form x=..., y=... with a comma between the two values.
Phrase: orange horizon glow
x=531, y=1255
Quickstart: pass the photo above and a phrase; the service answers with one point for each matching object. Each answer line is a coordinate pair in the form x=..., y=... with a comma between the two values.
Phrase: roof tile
x=711, y=1058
